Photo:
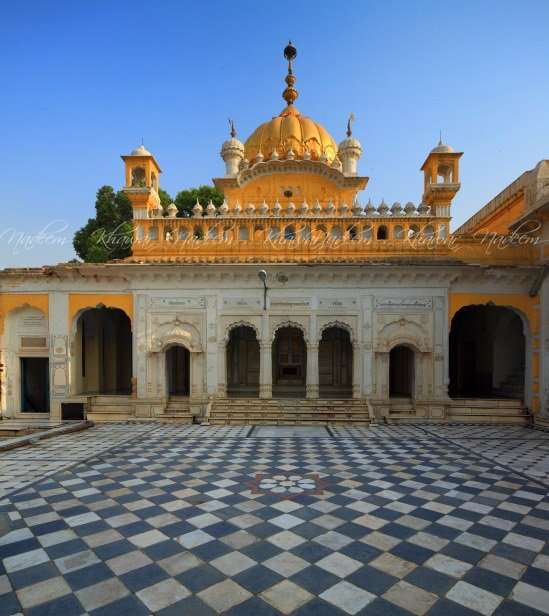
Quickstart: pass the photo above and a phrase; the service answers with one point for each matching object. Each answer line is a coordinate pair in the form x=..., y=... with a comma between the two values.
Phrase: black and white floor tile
x=162, y=519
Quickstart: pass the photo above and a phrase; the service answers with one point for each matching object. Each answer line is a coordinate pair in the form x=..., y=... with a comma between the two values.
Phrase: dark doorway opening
x=35, y=395
x=289, y=363
x=243, y=363
x=104, y=336
x=335, y=364
x=178, y=369
x=487, y=353
x=401, y=372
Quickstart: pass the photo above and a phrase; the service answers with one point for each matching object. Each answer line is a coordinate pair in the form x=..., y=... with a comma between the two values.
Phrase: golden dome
x=291, y=131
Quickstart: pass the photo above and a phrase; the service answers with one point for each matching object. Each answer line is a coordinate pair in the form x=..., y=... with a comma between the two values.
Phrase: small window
x=139, y=179
x=243, y=233
x=442, y=232
x=183, y=233
x=429, y=231
x=352, y=232
x=139, y=233
x=398, y=233
x=212, y=233
x=367, y=233
x=337, y=234
x=153, y=233
x=413, y=231
x=382, y=233
x=289, y=233
x=274, y=233
x=198, y=233
x=306, y=233
x=321, y=231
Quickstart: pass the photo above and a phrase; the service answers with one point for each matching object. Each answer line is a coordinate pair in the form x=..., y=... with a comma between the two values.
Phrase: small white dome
x=233, y=144
x=141, y=151
x=442, y=148
x=348, y=143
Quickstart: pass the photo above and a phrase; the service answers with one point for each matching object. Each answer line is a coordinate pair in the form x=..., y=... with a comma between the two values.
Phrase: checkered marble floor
x=196, y=521
x=22, y=467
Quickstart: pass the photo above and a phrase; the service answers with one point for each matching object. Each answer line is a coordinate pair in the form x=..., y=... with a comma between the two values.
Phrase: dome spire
x=290, y=94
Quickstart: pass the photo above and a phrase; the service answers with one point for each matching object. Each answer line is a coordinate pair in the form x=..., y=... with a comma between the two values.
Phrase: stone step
x=495, y=419
x=486, y=411
x=488, y=402
x=121, y=409
x=109, y=400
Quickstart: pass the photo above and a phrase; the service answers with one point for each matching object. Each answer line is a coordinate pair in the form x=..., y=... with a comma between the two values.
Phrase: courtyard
x=151, y=518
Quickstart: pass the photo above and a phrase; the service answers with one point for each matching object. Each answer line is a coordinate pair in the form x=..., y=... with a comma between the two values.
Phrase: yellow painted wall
x=11, y=301
x=503, y=217
x=529, y=306
x=304, y=186
x=79, y=301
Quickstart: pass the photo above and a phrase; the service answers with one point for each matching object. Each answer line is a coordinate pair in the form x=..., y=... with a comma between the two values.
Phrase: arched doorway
x=401, y=372
x=289, y=363
x=335, y=363
x=178, y=371
x=243, y=362
x=487, y=353
x=103, y=350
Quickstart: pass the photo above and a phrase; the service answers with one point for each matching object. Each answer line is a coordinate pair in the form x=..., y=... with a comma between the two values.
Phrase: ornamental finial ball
x=290, y=52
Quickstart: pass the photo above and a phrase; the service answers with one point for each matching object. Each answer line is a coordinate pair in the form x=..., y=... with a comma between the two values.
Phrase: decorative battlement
x=328, y=209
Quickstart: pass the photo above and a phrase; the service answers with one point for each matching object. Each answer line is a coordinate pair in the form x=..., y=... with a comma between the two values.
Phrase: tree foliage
x=186, y=199
x=109, y=235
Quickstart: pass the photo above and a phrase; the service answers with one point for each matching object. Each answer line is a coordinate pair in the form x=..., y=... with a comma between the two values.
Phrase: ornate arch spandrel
x=403, y=331
x=176, y=332
x=341, y=325
x=235, y=324
x=289, y=323
x=79, y=302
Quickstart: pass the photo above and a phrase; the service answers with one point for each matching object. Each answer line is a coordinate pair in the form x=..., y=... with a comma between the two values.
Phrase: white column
x=544, y=349
x=265, y=370
x=211, y=376
x=197, y=375
x=141, y=360
x=221, y=369
x=312, y=371
x=357, y=370
x=58, y=351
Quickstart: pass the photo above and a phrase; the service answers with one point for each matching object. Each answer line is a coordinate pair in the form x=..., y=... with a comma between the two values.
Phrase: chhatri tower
x=294, y=301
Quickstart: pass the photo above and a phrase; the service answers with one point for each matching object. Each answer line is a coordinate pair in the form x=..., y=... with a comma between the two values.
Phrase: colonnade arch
x=102, y=352
x=487, y=353
x=335, y=363
x=243, y=362
x=289, y=362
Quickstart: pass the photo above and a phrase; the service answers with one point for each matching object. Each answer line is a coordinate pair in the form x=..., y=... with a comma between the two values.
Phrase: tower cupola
x=350, y=150
x=232, y=153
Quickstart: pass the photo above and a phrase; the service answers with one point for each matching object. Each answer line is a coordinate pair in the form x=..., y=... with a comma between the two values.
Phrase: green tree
x=165, y=198
x=186, y=199
x=108, y=235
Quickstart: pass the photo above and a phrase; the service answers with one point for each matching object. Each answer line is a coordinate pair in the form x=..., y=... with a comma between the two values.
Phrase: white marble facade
x=197, y=306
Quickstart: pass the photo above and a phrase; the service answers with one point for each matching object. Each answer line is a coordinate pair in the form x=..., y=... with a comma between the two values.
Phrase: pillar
x=265, y=370
x=197, y=375
x=58, y=351
x=221, y=369
x=312, y=371
x=357, y=370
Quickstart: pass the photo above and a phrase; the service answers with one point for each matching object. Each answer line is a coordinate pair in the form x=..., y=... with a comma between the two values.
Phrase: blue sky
x=83, y=82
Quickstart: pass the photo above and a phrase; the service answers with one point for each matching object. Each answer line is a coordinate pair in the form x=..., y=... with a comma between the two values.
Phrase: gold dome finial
x=290, y=94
